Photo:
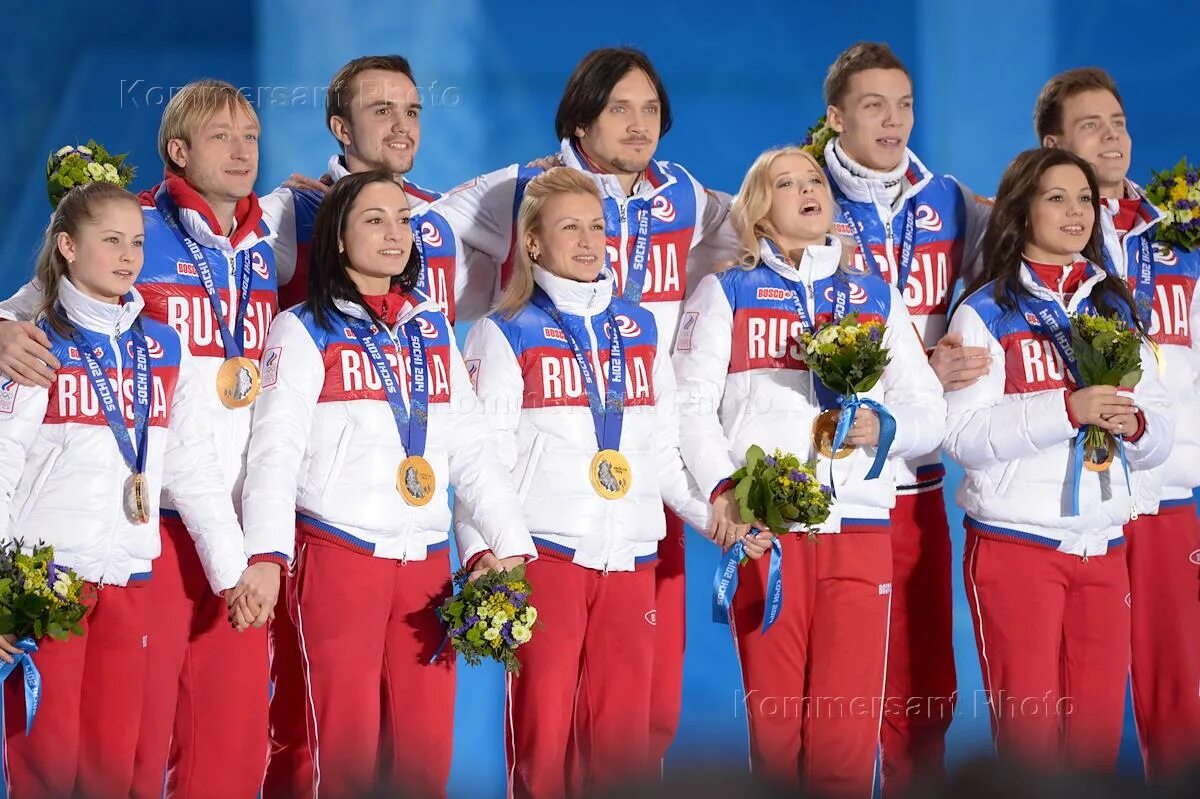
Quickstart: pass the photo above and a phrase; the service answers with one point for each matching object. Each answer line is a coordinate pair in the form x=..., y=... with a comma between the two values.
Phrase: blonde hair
x=192, y=107
x=752, y=205
x=81, y=204
x=558, y=180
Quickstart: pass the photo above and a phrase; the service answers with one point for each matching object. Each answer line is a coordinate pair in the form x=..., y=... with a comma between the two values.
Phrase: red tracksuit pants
x=205, y=714
x=814, y=682
x=289, y=770
x=86, y=730
x=670, y=638
x=1164, y=584
x=579, y=711
x=921, y=686
x=367, y=630
x=1053, y=638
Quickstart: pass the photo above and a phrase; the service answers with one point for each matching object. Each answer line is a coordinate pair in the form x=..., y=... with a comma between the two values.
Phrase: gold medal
x=610, y=474
x=1099, y=458
x=824, y=428
x=237, y=382
x=415, y=480
x=137, y=503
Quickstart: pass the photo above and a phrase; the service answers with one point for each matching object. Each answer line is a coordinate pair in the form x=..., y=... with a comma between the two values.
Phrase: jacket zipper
x=623, y=267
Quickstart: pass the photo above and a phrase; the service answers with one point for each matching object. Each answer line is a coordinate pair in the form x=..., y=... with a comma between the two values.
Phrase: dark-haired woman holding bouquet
x=366, y=421
x=1047, y=453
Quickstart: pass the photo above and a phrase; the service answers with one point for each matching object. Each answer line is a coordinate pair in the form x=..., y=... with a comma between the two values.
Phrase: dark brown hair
x=328, y=281
x=592, y=82
x=342, y=93
x=81, y=204
x=857, y=58
x=1048, y=110
x=1008, y=228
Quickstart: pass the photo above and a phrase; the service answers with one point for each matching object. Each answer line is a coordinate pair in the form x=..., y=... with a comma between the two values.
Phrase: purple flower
x=874, y=334
x=506, y=634
x=826, y=489
x=1182, y=205
x=803, y=478
x=518, y=598
x=770, y=461
x=796, y=476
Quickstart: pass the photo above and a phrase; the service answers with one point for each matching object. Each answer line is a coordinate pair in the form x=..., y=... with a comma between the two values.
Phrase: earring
x=534, y=254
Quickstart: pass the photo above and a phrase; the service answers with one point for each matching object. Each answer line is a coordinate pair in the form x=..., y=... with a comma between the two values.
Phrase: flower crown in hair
x=71, y=166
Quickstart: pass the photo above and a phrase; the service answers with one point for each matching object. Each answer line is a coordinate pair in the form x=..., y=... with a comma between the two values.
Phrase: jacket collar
x=860, y=189
x=1149, y=214
x=819, y=261
x=415, y=302
x=649, y=183
x=420, y=196
x=200, y=223
x=573, y=297
x=1030, y=283
x=94, y=315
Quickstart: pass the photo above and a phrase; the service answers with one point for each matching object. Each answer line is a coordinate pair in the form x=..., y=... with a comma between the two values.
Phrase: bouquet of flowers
x=71, y=166
x=1107, y=350
x=37, y=598
x=816, y=139
x=1177, y=192
x=849, y=358
x=781, y=491
x=490, y=617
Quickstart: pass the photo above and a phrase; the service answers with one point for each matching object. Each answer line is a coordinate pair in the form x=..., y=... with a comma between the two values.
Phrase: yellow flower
x=1180, y=190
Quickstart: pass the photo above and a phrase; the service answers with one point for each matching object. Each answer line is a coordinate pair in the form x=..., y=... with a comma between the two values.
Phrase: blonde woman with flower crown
x=743, y=381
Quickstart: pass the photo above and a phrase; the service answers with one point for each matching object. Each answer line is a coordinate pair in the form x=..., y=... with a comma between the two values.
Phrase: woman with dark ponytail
x=1045, y=566
x=366, y=421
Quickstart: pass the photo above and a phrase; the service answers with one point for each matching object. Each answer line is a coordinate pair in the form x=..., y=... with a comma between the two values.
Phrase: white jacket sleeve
x=1154, y=400
x=679, y=490
x=475, y=283
x=481, y=213
x=191, y=479
x=912, y=392
x=714, y=243
x=498, y=389
x=22, y=306
x=278, y=438
x=481, y=481
x=18, y=430
x=983, y=427
x=702, y=351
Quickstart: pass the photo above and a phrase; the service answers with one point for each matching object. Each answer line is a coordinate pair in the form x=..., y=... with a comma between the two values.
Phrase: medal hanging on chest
x=132, y=444
x=238, y=380
x=416, y=481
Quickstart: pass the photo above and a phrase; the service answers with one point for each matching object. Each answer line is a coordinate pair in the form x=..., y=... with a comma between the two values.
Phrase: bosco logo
x=1164, y=254
x=928, y=218
x=259, y=265
x=430, y=235
x=858, y=295
x=662, y=209
x=428, y=329
x=627, y=326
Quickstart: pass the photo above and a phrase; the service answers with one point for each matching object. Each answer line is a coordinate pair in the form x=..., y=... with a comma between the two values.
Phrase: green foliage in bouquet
x=1177, y=192
x=491, y=617
x=848, y=356
x=37, y=596
x=781, y=491
x=817, y=137
x=68, y=167
x=1108, y=352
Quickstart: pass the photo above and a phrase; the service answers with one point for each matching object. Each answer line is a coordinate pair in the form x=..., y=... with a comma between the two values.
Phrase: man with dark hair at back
x=1080, y=110
x=664, y=232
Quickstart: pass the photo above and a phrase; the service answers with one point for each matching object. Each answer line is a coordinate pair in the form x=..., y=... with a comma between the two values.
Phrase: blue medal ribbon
x=232, y=340
x=412, y=424
x=907, y=238
x=1143, y=289
x=422, y=278
x=1053, y=321
x=636, y=277
x=725, y=584
x=608, y=417
x=133, y=448
x=887, y=429
x=32, y=678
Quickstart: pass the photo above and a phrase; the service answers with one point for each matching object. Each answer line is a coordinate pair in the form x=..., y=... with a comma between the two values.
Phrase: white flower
x=111, y=174
x=95, y=170
x=62, y=585
x=62, y=151
x=828, y=334
x=84, y=150
x=491, y=634
x=485, y=611
x=521, y=633
x=529, y=615
x=499, y=619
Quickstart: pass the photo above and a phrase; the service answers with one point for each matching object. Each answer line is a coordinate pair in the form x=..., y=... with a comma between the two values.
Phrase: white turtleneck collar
x=573, y=297
x=861, y=184
x=819, y=260
x=108, y=318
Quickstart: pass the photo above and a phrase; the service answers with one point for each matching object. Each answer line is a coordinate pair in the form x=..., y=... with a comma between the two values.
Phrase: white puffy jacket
x=325, y=444
x=532, y=391
x=743, y=380
x=62, y=476
x=1011, y=432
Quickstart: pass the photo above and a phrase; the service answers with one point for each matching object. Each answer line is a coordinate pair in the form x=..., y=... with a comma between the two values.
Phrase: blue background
x=742, y=77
